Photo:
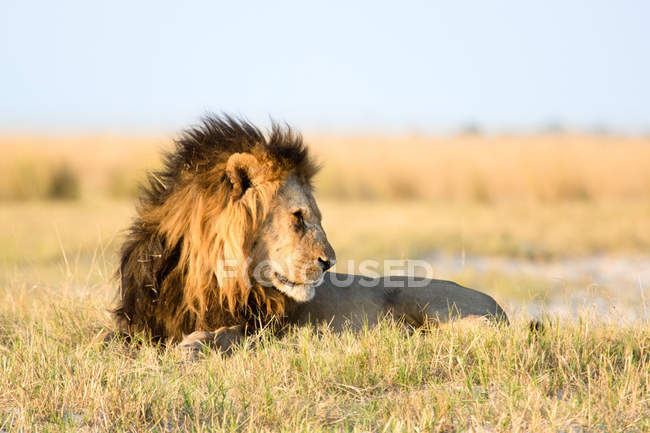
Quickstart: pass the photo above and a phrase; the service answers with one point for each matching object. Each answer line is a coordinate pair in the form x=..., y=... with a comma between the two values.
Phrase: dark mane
x=202, y=147
x=186, y=215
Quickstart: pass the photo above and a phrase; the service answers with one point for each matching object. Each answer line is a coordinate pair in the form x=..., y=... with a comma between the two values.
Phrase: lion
x=228, y=239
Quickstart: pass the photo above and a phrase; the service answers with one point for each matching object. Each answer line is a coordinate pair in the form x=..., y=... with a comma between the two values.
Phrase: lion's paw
x=223, y=340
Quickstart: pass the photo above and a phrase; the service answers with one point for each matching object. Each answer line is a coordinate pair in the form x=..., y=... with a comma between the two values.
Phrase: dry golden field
x=544, y=168
x=542, y=223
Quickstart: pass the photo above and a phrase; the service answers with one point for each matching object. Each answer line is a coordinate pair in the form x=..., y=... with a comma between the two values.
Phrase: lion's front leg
x=223, y=340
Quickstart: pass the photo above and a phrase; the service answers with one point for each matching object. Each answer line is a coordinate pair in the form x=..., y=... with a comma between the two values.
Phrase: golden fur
x=195, y=227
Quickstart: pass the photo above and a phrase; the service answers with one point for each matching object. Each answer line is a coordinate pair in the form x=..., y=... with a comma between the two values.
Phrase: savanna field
x=556, y=227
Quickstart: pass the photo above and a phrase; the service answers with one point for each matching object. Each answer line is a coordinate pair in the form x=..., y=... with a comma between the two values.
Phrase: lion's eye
x=299, y=216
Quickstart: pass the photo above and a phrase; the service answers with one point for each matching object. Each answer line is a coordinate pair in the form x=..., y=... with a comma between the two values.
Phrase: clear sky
x=328, y=65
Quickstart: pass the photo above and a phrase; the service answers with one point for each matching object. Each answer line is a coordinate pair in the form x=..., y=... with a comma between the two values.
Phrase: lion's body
x=364, y=301
x=228, y=236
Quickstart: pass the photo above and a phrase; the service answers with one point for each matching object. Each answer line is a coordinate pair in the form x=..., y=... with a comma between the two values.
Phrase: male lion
x=228, y=238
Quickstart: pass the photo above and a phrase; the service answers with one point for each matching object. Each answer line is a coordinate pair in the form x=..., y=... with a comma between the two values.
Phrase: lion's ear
x=244, y=172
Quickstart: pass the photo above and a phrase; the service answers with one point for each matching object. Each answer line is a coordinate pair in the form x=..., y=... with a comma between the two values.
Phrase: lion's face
x=292, y=252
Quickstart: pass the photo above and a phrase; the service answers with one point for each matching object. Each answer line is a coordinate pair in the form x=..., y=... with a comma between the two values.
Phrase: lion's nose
x=326, y=263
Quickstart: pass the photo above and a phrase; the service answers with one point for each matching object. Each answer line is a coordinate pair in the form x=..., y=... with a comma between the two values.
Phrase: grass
x=400, y=229
x=546, y=168
x=45, y=243
x=58, y=258
x=36, y=233
x=538, y=198
x=56, y=377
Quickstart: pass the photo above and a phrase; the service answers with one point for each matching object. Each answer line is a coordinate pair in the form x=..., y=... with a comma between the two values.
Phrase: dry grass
x=35, y=234
x=586, y=376
x=105, y=164
x=544, y=168
x=477, y=168
x=389, y=229
x=533, y=197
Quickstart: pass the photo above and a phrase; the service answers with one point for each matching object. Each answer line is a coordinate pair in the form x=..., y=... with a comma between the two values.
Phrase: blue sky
x=387, y=66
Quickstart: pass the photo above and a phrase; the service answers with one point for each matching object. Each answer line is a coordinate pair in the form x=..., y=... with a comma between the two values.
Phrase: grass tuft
x=64, y=184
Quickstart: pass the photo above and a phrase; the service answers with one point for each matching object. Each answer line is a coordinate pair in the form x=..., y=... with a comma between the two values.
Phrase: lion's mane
x=192, y=218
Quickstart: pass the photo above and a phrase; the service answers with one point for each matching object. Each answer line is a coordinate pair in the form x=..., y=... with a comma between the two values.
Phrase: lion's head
x=230, y=227
x=291, y=250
